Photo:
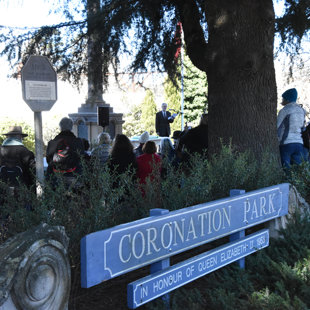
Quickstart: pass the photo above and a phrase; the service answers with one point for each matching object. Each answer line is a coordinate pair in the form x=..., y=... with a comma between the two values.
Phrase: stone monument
x=35, y=270
x=86, y=119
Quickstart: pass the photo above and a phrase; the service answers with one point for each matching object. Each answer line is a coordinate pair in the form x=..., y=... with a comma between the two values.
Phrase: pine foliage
x=173, y=99
x=148, y=112
x=133, y=126
x=195, y=92
x=150, y=28
x=195, y=89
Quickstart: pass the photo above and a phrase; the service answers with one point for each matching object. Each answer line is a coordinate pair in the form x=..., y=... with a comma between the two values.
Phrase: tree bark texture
x=238, y=60
x=94, y=54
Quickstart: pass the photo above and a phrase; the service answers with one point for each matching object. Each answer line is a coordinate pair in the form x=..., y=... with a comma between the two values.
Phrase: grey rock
x=295, y=203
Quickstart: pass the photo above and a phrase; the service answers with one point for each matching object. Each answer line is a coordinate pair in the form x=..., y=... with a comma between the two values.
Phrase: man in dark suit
x=163, y=120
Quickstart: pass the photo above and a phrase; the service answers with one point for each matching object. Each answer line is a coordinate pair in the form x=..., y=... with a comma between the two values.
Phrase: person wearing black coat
x=122, y=157
x=163, y=120
x=195, y=140
x=14, y=154
x=76, y=149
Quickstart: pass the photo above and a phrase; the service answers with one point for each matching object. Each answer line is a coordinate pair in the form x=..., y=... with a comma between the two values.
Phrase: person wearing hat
x=17, y=163
x=142, y=140
x=163, y=120
x=290, y=120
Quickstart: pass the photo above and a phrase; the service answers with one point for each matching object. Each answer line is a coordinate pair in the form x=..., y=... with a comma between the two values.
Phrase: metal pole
x=162, y=264
x=182, y=83
x=39, y=146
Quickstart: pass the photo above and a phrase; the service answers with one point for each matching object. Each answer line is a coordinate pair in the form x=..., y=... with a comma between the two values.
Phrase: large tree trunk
x=241, y=76
x=242, y=93
x=94, y=54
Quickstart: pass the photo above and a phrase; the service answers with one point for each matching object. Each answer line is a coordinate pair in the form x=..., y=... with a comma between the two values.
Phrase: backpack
x=305, y=133
x=64, y=158
x=11, y=172
x=11, y=175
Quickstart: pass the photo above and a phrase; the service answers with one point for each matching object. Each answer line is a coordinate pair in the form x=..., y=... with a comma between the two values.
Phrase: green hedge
x=104, y=199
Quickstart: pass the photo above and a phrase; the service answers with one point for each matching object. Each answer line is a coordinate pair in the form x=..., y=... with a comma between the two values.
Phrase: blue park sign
x=109, y=253
x=163, y=282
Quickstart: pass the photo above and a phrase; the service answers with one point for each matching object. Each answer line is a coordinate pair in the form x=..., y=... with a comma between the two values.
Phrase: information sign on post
x=39, y=83
x=39, y=88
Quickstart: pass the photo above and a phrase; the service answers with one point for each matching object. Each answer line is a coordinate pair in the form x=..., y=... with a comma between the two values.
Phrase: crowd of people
x=64, y=153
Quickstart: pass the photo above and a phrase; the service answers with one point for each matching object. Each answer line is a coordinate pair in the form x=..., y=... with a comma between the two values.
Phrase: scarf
x=12, y=141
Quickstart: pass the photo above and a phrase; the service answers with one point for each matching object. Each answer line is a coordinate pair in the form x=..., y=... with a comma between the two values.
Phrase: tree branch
x=196, y=45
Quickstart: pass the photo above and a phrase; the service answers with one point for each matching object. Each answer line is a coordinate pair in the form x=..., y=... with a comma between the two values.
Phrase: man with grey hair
x=163, y=120
x=63, y=153
x=66, y=124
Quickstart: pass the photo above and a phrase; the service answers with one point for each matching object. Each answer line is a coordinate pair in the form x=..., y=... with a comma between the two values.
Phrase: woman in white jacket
x=290, y=120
